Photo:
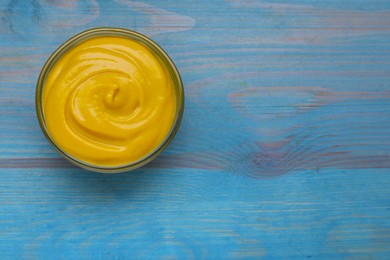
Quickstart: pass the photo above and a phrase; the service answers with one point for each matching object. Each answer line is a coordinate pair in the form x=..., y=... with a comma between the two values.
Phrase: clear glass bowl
x=160, y=54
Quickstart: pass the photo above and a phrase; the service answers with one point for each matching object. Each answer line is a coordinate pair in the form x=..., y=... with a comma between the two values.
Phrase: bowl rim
x=140, y=38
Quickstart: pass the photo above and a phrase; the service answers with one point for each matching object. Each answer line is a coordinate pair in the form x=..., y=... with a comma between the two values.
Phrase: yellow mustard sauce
x=108, y=101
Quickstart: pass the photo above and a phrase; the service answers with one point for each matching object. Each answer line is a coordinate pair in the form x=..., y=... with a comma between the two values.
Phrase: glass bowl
x=159, y=54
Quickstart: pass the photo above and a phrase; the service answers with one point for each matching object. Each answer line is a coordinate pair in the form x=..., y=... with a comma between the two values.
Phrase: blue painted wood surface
x=284, y=149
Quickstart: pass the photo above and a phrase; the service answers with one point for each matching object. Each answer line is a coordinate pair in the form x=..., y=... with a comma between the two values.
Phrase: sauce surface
x=109, y=101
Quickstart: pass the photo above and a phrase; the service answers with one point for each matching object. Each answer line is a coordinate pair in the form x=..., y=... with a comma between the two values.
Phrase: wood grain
x=283, y=152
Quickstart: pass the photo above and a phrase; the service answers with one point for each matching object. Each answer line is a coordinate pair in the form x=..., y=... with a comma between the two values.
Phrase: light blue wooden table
x=283, y=152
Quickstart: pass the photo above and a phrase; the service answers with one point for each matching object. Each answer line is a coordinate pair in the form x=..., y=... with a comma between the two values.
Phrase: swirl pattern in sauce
x=109, y=101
